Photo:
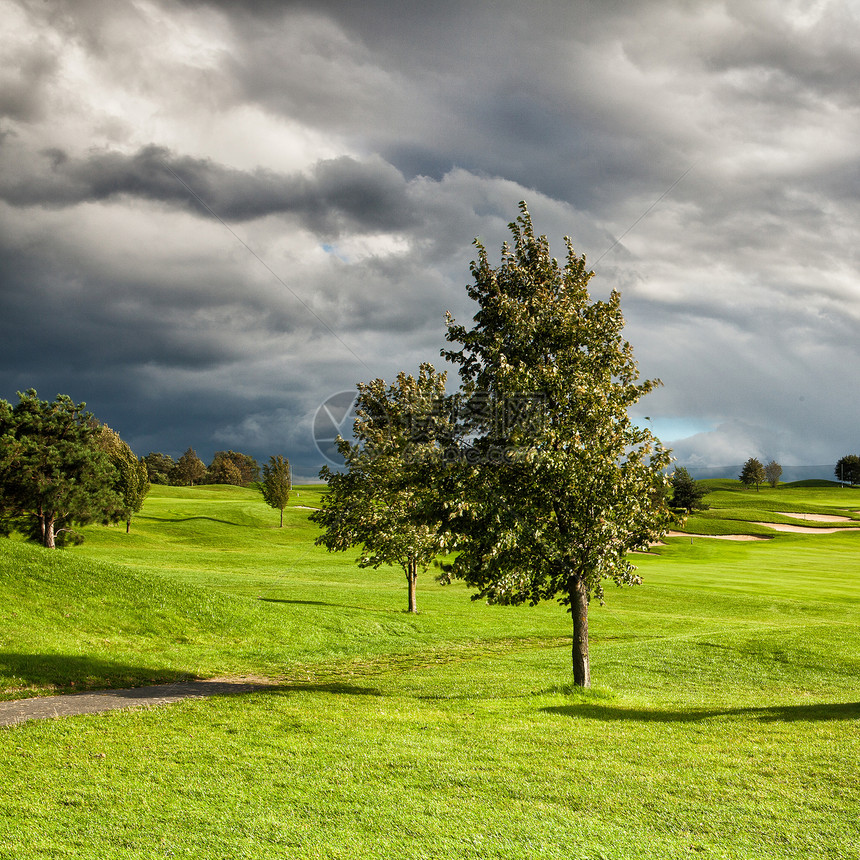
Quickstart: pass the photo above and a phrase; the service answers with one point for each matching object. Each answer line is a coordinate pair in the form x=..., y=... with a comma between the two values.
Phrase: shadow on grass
x=75, y=672
x=185, y=520
x=773, y=714
x=332, y=605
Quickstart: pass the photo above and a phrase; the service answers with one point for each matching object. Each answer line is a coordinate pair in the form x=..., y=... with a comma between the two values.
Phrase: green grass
x=725, y=722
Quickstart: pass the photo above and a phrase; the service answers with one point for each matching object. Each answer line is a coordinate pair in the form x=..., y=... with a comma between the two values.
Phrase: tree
x=848, y=469
x=188, y=471
x=231, y=467
x=752, y=473
x=558, y=484
x=132, y=482
x=277, y=484
x=54, y=473
x=158, y=467
x=772, y=473
x=385, y=501
x=686, y=492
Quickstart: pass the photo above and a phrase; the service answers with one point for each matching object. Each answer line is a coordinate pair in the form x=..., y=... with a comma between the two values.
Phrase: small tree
x=54, y=473
x=686, y=492
x=772, y=473
x=231, y=467
x=385, y=502
x=848, y=469
x=188, y=471
x=561, y=483
x=158, y=467
x=753, y=473
x=132, y=482
x=277, y=484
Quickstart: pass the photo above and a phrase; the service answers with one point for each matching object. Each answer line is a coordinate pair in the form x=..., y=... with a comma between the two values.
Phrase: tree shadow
x=765, y=714
x=82, y=672
x=332, y=605
x=185, y=520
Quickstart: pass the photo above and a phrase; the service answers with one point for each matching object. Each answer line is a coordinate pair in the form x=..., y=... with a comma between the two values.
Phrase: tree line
x=60, y=467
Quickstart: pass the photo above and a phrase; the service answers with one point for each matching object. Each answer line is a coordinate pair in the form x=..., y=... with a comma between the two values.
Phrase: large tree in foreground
x=54, y=472
x=385, y=501
x=559, y=485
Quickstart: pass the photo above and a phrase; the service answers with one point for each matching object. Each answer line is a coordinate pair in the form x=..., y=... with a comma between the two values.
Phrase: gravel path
x=97, y=701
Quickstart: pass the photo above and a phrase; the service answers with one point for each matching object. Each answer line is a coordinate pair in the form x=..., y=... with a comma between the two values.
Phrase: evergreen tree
x=753, y=473
x=686, y=492
x=848, y=469
x=54, y=473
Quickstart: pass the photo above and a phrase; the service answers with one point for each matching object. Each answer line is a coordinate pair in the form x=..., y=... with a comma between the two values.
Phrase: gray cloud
x=703, y=156
x=336, y=194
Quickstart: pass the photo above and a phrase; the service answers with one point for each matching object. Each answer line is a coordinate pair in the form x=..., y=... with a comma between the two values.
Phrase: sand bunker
x=815, y=518
x=719, y=537
x=804, y=530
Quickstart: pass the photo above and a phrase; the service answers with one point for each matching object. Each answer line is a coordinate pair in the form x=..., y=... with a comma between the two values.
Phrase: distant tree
x=277, y=484
x=54, y=473
x=386, y=502
x=188, y=471
x=772, y=473
x=132, y=481
x=848, y=469
x=231, y=467
x=686, y=492
x=548, y=378
x=158, y=467
x=753, y=473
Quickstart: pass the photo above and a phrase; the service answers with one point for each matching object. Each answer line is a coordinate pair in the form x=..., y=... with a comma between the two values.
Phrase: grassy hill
x=724, y=724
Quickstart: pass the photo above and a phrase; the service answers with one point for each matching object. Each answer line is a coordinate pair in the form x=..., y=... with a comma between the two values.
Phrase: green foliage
x=547, y=380
x=728, y=687
x=848, y=469
x=772, y=473
x=54, y=472
x=386, y=501
x=158, y=467
x=188, y=471
x=231, y=467
x=132, y=481
x=753, y=473
x=686, y=492
x=277, y=483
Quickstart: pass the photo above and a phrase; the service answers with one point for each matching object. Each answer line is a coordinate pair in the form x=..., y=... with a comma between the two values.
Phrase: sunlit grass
x=725, y=720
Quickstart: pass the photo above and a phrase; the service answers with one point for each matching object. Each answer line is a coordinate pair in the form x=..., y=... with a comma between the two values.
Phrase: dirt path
x=97, y=701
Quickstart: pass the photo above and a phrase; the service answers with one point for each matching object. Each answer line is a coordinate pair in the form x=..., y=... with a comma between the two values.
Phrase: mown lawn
x=725, y=721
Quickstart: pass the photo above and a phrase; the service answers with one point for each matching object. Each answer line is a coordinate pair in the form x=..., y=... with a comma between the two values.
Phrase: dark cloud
x=213, y=215
x=336, y=194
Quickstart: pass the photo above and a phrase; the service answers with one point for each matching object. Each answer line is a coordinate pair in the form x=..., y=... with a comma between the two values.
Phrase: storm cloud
x=215, y=215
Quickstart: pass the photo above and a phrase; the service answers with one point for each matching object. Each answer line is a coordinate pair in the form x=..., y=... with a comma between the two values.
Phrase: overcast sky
x=215, y=215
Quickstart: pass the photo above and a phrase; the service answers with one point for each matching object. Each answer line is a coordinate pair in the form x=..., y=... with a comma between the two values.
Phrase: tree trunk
x=282, y=517
x=412, y=579
x=48, y=532
x=128, y=525
x=579, y=654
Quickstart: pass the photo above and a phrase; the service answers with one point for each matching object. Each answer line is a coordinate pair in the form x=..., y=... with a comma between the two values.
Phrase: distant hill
x=789, y=473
